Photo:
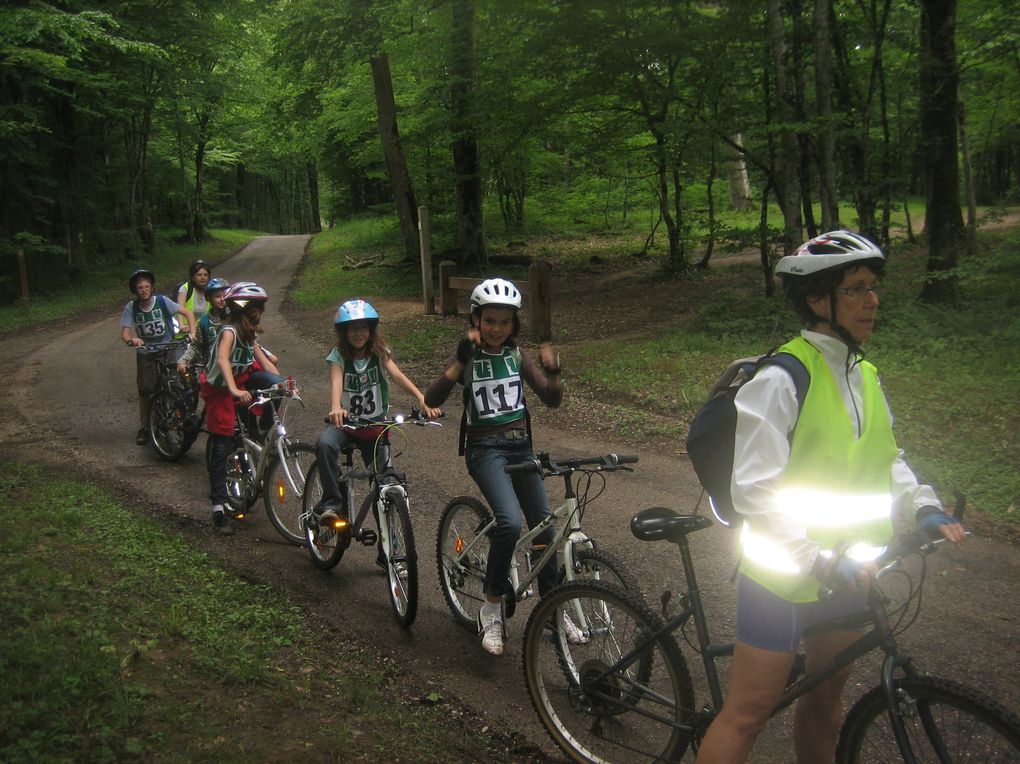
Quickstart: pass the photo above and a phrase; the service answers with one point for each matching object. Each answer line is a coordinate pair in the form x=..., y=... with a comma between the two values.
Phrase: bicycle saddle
x=661, y=523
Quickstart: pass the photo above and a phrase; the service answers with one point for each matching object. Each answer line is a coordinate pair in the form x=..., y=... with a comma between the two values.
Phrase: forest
x=690, y=123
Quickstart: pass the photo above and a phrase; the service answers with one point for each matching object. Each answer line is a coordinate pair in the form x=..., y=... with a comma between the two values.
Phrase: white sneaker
x=493, y=636
x=573, y=634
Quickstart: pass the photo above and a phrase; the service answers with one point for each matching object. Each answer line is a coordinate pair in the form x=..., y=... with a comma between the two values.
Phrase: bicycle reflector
x=458, y=545
x=340, y=524
x=281, y=491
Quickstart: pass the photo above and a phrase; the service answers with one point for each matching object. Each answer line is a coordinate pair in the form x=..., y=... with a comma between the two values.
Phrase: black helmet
x=141, y=273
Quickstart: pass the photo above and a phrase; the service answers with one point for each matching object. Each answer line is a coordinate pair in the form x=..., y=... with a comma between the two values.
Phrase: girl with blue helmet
x=361, y=367
x=208, y=325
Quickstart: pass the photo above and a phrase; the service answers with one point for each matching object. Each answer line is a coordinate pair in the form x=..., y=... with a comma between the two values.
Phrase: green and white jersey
x=153, y=325
x=366, y=387
x=496, y=388
x=242, y=357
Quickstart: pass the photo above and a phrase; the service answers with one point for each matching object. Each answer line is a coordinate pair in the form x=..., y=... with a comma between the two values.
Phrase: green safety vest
x=836, y=485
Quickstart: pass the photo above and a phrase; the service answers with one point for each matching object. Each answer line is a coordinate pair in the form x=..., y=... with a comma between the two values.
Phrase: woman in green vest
x=805, y=478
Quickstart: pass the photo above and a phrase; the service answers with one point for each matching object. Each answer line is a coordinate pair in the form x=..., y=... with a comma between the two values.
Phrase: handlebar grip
x=624, y=458
x=531, y=466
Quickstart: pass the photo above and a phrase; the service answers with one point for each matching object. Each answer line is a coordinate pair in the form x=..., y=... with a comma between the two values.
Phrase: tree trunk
x=826, y=136
x=939, y=83
x=393, y=151
x=709, y=195
x=198, y=217
x=466, y=164
x=788, y=164
x=740, y=185
x=968, y=178
x=313, y=197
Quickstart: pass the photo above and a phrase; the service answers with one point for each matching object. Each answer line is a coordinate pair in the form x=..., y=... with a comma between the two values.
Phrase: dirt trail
x=75, y=403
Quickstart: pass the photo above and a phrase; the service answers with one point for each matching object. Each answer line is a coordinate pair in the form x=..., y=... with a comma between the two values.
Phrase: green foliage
x=104, y=285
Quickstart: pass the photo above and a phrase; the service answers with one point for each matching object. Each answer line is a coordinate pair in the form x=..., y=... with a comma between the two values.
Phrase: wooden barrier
x=538, y=289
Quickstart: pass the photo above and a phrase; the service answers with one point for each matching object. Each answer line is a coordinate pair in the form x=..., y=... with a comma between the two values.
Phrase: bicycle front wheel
x=401, y=559
x=283, y=487
x=599, y=565
x=462, y=554
x=944, y=722
x=169, y=429
x=604, y=690
x=326, y=546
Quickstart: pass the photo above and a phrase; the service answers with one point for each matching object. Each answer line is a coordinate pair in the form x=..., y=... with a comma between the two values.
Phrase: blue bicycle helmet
x=356, y=310
x=216, y=284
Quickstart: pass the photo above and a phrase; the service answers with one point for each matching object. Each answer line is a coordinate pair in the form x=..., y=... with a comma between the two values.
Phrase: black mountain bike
x=176, y=415
x=624, y=692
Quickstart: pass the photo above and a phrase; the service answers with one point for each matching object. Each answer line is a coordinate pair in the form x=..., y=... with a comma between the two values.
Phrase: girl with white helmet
x=231, y=373
x=361, y=367
x=808, y=478
x=497, y=433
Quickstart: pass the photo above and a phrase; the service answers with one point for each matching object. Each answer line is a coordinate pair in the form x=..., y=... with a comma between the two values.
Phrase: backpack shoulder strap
x=793, y=366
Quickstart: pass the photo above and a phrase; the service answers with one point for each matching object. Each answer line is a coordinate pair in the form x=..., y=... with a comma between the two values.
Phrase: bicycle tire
x=169, y=426
x=285, y=507
x=242, y=491
x=973, y=726
x=326, y=546
x=463, y=580
x=642, y=711
x=598, y=565
x=401, y=560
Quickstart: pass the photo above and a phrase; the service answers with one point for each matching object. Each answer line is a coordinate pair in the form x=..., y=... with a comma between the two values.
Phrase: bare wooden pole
x=540, y=287
x=23, y=270
x=425, y=244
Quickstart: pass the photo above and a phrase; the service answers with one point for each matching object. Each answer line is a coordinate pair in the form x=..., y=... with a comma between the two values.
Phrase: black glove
x=465, y=351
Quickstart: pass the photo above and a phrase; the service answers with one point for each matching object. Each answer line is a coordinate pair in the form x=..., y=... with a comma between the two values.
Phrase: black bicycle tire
x=867, y=723
x=166, y=415
x=617, y=712
x=399, y=511
x=236, y=506
x=328, y=558
x=448, y=577
x=292, y=530
x=585, y=558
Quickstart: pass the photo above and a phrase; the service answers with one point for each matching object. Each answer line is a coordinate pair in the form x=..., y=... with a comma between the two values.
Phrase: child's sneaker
x=142, y=437
x=220, y=521
x=493, y=635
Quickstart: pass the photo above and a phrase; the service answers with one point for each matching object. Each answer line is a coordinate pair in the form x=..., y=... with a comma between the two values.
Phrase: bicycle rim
x=401, y=560
x=168, y=422
x=240, y=481
x=943, y=720
x=594, y=712
x=462, y=555
x=283, y=490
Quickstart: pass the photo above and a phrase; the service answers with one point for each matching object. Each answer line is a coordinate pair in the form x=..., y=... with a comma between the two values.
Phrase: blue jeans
x=327, y=450
x=509, y=496
x=221, y=445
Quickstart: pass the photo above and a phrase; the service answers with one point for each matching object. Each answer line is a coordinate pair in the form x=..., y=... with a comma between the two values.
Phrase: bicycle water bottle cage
x=661, y=523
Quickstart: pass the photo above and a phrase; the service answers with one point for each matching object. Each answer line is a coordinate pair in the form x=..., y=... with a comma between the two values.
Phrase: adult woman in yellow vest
x=804, y=479
x=191, y=294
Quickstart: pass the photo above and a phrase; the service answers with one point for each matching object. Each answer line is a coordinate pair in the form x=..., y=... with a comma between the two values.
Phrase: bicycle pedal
x=368, y=537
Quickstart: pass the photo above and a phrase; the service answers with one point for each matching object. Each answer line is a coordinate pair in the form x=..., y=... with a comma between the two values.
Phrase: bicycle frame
x=880, y=635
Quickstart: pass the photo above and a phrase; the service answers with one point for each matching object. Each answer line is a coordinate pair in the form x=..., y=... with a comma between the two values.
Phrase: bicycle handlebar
x=157, y=347
x=549, y=467
x=416, y=417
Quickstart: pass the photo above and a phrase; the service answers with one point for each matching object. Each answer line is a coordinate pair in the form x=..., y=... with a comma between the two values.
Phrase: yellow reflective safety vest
x=836, y=486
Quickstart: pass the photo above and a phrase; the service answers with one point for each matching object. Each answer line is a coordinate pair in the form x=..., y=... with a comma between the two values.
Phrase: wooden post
x=425, y=244
x=540, y=289
x=23, y=270
x=447, y=294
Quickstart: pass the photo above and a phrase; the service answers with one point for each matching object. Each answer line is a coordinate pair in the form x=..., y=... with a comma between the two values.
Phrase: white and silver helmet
x=829, y=250
x=495, y=291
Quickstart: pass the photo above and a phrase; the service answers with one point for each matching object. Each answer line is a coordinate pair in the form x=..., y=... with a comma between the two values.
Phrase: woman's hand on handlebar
x=337, y=417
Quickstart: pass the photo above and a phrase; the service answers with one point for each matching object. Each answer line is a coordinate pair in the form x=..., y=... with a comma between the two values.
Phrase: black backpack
x=711, y=437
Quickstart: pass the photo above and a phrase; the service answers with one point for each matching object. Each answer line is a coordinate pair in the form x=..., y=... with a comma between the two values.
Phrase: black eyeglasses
x=858, y=292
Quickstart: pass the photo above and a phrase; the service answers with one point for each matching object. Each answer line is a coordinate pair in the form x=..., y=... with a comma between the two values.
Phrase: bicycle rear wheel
x=401, y=559
x=944, y=721
x=462, y=554
x=241, y=488
x=169, y=431
x=282, y=495
x=595, y=707
x=326, y=546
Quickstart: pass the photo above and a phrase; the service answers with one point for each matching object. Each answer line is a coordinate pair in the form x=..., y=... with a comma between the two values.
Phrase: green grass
x=120, y=641
x=105, y=285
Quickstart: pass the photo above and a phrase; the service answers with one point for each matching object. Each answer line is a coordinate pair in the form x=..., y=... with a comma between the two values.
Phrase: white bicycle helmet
x=244, y=292
x=355, y=310
x=495, y=291
x=829, y=250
